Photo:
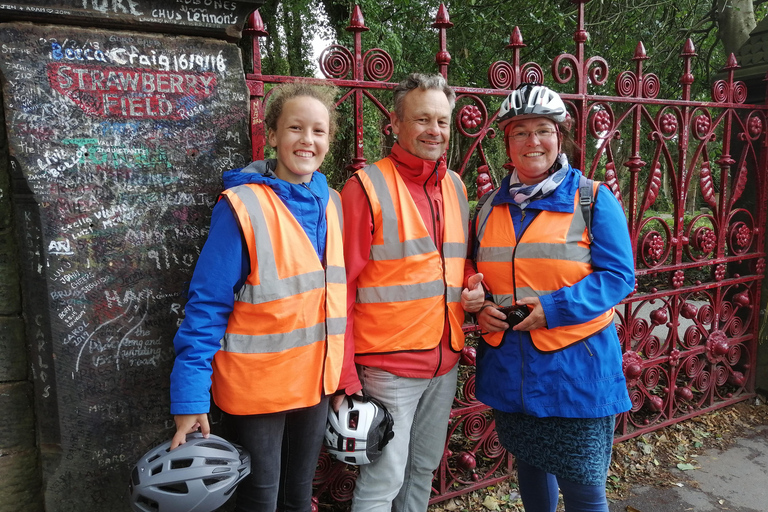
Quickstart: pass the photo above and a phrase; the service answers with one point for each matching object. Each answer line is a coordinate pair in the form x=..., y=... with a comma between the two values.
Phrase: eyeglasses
x=540, y=134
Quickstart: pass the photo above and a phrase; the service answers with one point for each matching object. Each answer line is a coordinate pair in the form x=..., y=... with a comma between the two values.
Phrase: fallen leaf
x=451, y=506
x=685, y=467
x=491, y=503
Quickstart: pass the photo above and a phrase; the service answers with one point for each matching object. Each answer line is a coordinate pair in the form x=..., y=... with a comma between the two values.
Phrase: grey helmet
x=197, y=476
x=531, y=100
x=358, y=432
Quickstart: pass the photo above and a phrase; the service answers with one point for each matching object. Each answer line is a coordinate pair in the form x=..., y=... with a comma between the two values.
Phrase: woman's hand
x=490, y=319
x=536, y=319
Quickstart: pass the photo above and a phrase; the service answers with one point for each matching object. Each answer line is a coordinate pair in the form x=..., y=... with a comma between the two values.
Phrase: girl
x=266, y=316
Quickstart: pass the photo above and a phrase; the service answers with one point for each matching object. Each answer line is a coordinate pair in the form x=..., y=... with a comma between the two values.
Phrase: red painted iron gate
x=689, y=331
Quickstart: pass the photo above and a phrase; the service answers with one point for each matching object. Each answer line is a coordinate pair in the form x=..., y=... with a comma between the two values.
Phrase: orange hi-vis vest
x=553, y=252
x=407, y=287
x=284, y=344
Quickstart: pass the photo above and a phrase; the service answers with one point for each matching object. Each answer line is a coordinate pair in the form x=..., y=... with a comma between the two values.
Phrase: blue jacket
x=583, y=380
x=220, y=272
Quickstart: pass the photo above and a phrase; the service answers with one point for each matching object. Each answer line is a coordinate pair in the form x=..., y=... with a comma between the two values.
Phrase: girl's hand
x=188, y=423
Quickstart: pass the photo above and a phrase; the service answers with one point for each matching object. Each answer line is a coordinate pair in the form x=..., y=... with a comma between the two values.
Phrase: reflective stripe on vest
x=407, y=287
x=284, y=344
x=553, y=252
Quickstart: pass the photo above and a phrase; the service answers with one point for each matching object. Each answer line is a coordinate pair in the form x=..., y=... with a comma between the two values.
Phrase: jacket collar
x=417, y=169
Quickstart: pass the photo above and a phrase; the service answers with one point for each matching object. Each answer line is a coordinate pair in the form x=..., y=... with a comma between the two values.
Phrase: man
x=406, y=222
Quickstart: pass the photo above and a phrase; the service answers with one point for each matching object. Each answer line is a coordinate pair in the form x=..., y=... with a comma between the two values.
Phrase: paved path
x=735, y=480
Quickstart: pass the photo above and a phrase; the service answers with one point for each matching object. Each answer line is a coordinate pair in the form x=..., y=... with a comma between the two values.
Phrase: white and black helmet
x=531, y=100
x=198, y=476
x=359, y=431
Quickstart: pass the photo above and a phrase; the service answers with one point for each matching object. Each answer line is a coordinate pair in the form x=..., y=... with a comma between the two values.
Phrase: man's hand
x=536, y=319
x=490, y=319
x=337, y=400
x=188, y=423
x=473, y=296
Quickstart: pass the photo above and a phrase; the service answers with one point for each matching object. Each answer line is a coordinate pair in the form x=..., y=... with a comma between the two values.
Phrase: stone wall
x=110, y=164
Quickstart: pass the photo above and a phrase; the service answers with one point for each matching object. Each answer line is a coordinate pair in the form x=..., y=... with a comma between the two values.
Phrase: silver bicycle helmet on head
x=531, y=100
x=359, y=431
x=198, y=476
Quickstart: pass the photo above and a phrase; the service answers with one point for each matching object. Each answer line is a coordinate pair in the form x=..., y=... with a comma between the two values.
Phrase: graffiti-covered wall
x=116, y=144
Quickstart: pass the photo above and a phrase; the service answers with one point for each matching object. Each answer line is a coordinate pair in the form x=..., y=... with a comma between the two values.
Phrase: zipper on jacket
x=321, y=216
x=587, y=347
x=324, y=264
x=514, y=291
x=442, y=259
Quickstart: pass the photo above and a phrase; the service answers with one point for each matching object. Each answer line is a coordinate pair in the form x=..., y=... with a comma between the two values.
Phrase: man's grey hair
x=423, y=82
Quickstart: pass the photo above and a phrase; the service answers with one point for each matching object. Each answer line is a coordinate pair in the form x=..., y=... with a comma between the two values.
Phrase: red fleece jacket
x=422, y=179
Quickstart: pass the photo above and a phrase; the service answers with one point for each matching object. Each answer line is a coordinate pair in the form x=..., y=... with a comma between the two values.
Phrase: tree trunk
x=736, y=19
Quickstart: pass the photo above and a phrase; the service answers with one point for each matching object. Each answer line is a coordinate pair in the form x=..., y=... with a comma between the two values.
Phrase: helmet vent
x=175, y=488
x=148, y=503
x=181, y=463
x=354, y=418
x=135, y=480
x=216, y=462
x=214, y=480
x=216, y=446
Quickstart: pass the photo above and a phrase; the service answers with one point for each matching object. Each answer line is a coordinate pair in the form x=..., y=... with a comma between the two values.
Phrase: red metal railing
x=689, y=331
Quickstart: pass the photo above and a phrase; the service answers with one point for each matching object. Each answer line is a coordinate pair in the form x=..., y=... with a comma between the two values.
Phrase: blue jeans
x=284, y=449
x=539, y=492
x=401, y=479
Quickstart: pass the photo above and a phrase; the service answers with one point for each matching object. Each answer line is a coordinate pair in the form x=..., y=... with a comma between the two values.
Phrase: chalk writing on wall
x=223, y=17
x=120, y=140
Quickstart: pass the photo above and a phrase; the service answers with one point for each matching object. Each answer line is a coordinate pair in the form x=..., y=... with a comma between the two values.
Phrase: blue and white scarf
x=523, y=194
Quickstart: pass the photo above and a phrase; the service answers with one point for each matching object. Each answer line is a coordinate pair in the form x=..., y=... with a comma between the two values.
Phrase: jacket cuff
x=550, y=311
x=190, y=408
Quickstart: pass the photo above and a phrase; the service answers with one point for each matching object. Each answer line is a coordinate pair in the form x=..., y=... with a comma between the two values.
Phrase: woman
x=554, y=379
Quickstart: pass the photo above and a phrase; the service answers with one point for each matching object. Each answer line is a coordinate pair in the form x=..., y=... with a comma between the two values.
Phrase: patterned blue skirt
x=575, y=449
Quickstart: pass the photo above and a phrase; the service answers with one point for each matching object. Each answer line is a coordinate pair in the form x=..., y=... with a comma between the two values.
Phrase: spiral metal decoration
x=474, y=426
x=336, y=61
x=692, y=337
x=378, y=65
x=706, y=314
x=492, y=446
x=503, y=75
x=343, y=486
x=721, y=375
x=691, y=366
x=626, y=84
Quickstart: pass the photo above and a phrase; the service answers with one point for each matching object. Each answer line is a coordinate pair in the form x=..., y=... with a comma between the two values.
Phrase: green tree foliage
x=482, y=30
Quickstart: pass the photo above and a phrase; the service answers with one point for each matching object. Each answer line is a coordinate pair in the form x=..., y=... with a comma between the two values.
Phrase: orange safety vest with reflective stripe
x=407, y=287
x=284, y=344
x=553, y=252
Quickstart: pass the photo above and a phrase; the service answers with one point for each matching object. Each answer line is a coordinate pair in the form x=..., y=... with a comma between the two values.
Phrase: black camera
x=515, y=314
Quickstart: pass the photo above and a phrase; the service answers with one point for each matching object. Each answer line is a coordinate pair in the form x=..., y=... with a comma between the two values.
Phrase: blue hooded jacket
x=583, y=380
x=220, y=272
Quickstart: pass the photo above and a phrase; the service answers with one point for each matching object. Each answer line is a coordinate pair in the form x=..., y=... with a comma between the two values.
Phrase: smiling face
x=301, y=139
x=533, y=156
x=426, y=125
